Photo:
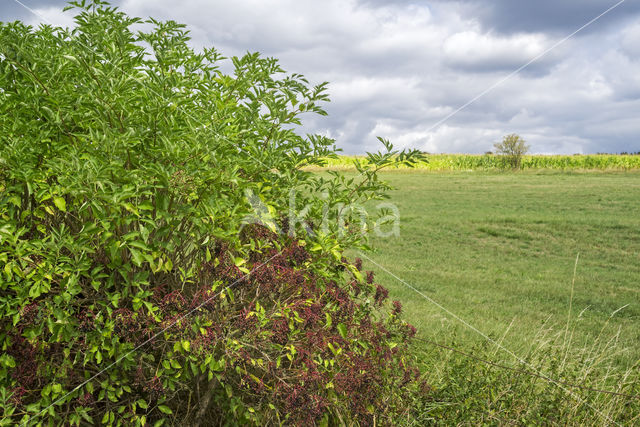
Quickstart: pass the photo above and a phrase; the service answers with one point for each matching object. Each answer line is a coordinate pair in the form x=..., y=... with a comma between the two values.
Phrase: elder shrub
x=132, y=288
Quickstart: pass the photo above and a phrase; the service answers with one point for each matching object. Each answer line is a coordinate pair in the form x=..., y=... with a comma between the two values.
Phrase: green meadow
x=492, y=258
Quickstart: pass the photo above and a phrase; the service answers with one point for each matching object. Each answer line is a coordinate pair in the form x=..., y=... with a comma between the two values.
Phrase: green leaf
x=60, y=203
x=316, y=247
x=165, y=409
x=136, y=257
x=140, y=245
x=328, y=322
x=342, y=329
x=15, y=200
x=8, y=361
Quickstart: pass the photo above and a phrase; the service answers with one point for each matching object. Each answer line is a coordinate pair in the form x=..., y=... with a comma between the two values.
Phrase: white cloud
x=630, y=42
x=51, y=15
x=397, y=68
x=475, y=50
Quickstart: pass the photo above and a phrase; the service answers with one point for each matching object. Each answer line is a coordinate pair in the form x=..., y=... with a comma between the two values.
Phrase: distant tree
x=512, y=148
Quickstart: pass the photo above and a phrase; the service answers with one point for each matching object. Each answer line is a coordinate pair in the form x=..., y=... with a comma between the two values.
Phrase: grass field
x=498, y=250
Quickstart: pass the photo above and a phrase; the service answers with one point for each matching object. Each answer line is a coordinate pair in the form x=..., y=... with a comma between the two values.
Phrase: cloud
x=475, y=51
x=51, y=15
x=11, y=10
x=560, y=17
x=398, y=68
x=630, y=42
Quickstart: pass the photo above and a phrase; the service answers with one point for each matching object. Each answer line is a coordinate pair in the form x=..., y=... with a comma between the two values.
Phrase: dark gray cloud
x=402, y=69
x=563, y=16
x=512, y=16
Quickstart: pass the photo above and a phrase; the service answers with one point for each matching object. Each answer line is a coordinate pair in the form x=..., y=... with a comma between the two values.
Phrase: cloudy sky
x=442, y=76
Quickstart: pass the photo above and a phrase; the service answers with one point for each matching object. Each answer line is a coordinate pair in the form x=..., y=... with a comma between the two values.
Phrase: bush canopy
x=139, y=284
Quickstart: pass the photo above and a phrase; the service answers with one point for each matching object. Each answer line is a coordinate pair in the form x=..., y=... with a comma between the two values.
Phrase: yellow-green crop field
x=461, y=162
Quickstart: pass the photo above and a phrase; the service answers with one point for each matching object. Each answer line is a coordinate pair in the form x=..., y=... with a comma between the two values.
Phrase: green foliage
x=132, y=290
x=512, y=148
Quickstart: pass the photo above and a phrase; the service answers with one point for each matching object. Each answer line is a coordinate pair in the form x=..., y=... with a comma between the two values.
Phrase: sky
x=440, y=76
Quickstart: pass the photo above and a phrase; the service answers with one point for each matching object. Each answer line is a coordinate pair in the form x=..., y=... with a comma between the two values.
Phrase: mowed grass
x=498, y=250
